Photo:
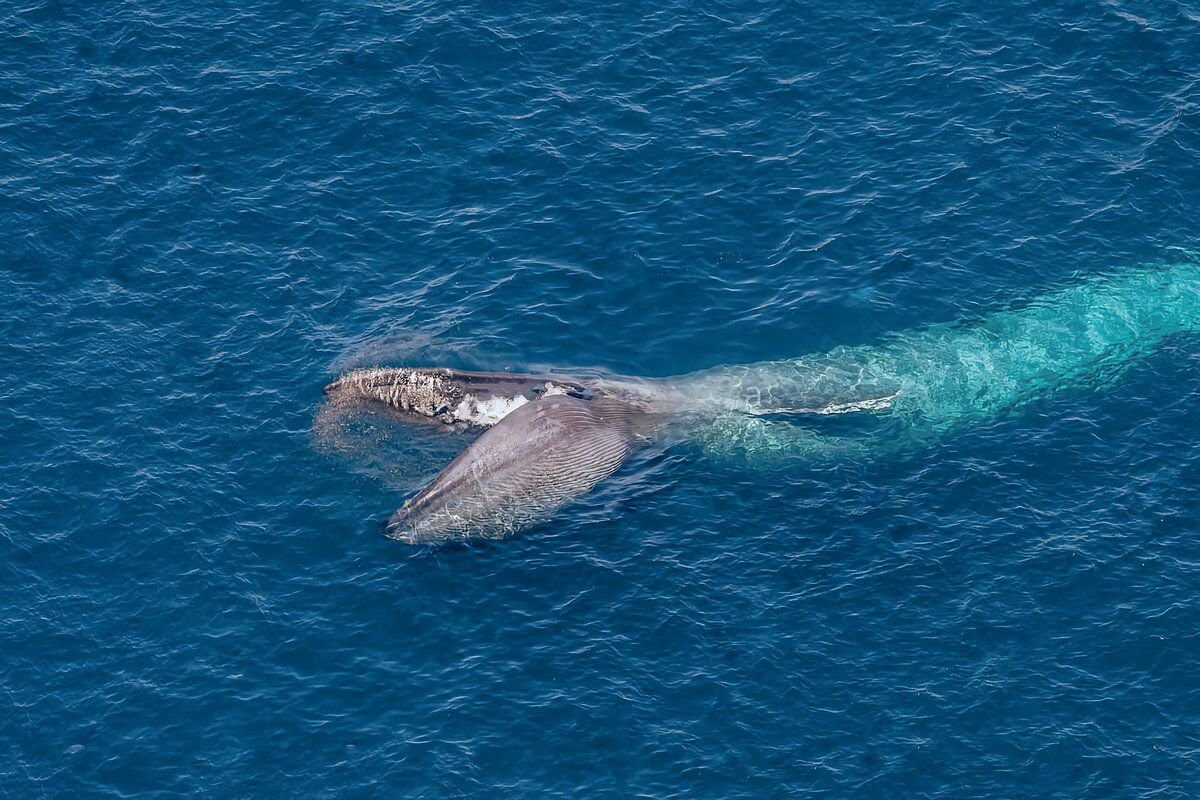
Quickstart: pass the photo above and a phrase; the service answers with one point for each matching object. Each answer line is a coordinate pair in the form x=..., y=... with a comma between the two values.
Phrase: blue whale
x=550, y=438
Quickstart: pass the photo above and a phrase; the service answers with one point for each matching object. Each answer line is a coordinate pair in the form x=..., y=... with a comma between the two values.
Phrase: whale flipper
x=825, y=407
x=526, y=466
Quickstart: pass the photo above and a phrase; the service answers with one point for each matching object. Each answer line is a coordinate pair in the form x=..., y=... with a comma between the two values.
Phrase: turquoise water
x=211, y=210
x=930, y=383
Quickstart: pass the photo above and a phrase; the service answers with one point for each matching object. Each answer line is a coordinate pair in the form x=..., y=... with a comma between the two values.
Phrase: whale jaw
x=452, y=397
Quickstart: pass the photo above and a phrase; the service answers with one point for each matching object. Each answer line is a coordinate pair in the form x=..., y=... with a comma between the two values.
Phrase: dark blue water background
x=209, y=209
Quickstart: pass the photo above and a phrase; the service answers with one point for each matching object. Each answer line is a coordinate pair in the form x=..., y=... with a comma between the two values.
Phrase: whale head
x=451, y=397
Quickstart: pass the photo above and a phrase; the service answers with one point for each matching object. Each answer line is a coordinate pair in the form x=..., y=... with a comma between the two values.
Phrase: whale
x=549, y=438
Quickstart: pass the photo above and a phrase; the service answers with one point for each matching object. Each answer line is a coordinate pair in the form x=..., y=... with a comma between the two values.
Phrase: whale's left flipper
x=824, y=407
x=522, y=469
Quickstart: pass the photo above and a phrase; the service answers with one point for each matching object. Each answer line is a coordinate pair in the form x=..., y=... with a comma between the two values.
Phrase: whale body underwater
x=550, y=438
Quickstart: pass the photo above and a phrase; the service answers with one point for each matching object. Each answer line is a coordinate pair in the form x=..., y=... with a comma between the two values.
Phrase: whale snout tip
x=347, y=386
x=399, y=527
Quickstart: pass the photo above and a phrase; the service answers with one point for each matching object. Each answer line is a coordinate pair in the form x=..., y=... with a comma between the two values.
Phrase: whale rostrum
x=551, y=437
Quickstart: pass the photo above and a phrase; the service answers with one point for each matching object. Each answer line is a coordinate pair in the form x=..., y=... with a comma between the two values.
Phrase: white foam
x=487, y=412
x=493, y=409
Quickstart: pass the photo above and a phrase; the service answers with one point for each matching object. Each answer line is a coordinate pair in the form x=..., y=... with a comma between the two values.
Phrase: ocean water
x=211, y=209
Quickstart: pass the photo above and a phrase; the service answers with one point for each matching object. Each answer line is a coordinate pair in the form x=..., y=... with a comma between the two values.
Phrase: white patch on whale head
x=487, y=412
x=473, y=410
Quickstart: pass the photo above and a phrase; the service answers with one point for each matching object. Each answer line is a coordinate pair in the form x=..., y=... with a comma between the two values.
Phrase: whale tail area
x=943, y=378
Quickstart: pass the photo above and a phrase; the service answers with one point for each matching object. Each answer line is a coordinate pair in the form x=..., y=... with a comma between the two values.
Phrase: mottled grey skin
x=436, y=394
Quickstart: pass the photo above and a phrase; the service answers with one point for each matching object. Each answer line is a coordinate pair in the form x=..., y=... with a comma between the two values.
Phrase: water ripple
x=210, y=210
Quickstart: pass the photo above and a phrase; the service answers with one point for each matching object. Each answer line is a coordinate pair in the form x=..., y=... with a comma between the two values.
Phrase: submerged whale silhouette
x=550, y=438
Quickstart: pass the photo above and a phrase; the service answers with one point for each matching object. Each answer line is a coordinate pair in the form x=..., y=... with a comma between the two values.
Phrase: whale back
x=532, y=462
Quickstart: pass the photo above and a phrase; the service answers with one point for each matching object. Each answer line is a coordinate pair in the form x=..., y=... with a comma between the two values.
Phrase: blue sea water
x=210, y=209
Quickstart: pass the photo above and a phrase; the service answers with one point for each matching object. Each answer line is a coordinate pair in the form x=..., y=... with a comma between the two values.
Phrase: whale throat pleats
x=528, y=465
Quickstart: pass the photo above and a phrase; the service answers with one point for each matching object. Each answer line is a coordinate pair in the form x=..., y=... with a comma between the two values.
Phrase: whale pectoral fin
x=826, y=406
x=521, y=470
